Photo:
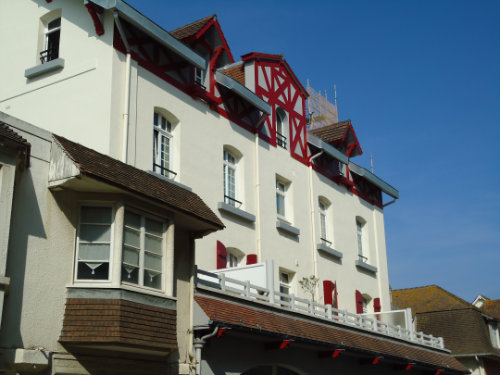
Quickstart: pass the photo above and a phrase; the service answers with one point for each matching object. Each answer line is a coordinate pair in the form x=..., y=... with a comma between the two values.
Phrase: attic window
x=199, y=78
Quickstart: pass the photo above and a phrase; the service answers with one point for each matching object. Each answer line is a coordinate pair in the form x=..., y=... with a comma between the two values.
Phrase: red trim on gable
x=99, y=29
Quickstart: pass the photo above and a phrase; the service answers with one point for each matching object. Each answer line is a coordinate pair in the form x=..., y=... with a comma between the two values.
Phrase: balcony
x=281, y=140
x=380, y=323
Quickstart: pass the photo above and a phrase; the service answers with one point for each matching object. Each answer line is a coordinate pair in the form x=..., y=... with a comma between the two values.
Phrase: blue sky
x=420, y=81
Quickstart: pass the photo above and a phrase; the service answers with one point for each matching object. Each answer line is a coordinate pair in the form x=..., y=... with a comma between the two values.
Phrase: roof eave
x=329, y=149
x=377, y=181
x=132, y=15
x=242, y=91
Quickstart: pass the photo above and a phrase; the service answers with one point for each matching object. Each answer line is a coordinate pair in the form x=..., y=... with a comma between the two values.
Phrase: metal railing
x=164, y=171
x=325, y=242
x=280, y=140
x=244, y=289
x=231, y=201
x=363, y=258
x=49, y=55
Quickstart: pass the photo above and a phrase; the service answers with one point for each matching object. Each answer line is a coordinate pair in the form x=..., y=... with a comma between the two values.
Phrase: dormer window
x=52, y=37
x=281, y=129
x=199, y=77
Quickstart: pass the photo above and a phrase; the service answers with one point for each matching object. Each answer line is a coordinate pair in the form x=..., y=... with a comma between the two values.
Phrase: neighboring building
x=95, y=261
x=470, y=331
x=181, y=115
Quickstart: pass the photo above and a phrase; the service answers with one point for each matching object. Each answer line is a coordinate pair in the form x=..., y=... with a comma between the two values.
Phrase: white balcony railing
x=244, y=289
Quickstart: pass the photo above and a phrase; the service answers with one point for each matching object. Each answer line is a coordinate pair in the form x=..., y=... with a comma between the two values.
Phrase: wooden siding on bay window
x=118, y=321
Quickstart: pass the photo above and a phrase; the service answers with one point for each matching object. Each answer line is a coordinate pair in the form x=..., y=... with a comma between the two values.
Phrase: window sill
x=281, y=225
x=365, y=266
x=48, y=67
x=330, y=251
x=236, y=212
x=124, y=292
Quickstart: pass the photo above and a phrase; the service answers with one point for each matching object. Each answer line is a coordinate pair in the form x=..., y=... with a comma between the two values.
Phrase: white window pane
x=96, y=215
x=152, y=262
x=91, y=233
x=88, y=251
x=280, y=205
x=153, y=244
x=130, y=256
x=152, y=279
x=131, y=237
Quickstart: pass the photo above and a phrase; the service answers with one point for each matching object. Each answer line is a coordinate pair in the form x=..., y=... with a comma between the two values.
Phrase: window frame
x=111, y=243
x=281, y=130
x=142, y=251
x=158, y=135
x=45, y=55
x=285, y=285
x=361, y=239
x=230, y=166
x=324, y=230
x=281, y=196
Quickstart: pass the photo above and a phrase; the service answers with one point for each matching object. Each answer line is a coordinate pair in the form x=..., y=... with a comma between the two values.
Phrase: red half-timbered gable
x=276, y=83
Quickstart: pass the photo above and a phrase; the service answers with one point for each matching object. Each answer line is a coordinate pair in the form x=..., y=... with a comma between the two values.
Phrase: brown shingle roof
x=266, y=321
x=428, y=298
x=236, y=72
x=331, y=133
x=7, y=132
x=191, y=29
x=124, y=176
x=491, y=307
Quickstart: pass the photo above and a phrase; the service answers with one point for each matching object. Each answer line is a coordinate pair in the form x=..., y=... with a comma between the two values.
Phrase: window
x=323, y=222
x=199, y=78
x=285, y=287
x=495, y=339
x=142, y=253
x=281, y=130
x=360, y=229
x=94, y=243
x=280, y=198
x=51, y=42
x=230, y=162
x=162, y=146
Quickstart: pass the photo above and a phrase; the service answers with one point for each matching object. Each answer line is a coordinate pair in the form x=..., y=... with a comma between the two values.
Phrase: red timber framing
x=93, y=11
x=165, y=64
x=276, y=83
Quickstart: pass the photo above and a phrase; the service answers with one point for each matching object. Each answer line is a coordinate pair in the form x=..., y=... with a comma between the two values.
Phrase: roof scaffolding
x=321, y=111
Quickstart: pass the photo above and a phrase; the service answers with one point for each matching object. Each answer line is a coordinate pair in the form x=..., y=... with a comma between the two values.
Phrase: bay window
x=140, y=253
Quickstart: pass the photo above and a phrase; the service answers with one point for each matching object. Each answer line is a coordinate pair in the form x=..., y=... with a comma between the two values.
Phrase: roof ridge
x=203, y=19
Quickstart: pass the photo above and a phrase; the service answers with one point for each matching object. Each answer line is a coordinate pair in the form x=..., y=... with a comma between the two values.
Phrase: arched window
x=230, y=170
x=234, y=257
x=163, y=145
x=324, y=231
x=361, y=237
x=281, y=127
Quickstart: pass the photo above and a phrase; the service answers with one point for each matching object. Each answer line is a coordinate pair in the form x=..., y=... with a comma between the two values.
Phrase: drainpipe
x=198, y=345
x=126, y=100
x=257, y=199
x=313, y=228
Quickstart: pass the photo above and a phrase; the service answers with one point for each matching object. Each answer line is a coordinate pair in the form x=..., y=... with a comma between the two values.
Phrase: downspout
x=198, y=345
x=257, y=199
x=192, y=282
x=126, y=99
x=313, y=228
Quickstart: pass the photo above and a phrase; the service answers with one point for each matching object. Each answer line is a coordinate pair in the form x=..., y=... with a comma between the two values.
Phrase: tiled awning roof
x=332, y=133
x=191, y=29
x=236, y=72
x=16, y=142
x=112, y=171
x=262, y=320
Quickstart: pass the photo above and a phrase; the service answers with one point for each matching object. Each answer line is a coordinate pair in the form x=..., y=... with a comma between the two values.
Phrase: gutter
x=384, y=186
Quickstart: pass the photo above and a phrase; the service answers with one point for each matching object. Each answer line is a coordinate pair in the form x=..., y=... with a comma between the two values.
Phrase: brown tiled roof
x=331, y=133
x=124, y=176
x=264, y=320
x=7, y=132
x=191, y=29
x=236, y=72
x=491, y=307
x=428, y=298
x=464, y=331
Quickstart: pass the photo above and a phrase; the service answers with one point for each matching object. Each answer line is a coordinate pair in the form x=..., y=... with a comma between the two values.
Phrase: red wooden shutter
x=251, y=259
x=327, y=292
x=376, y=305
x=359, y=302
x=221, y=256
